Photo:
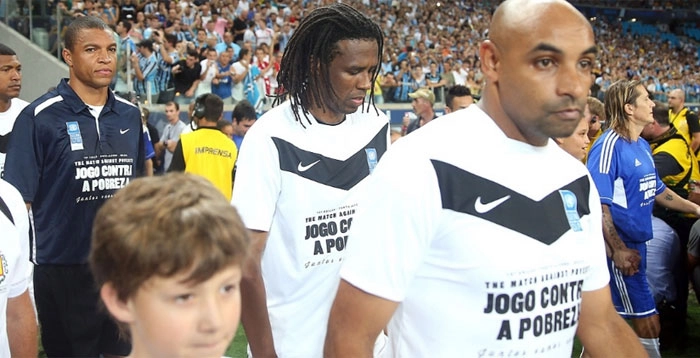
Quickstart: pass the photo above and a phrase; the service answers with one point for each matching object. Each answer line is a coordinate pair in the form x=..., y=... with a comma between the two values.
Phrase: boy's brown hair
x=162, y=226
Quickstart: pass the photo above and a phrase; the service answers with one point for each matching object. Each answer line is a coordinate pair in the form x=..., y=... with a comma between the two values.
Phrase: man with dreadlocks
x=297, y=176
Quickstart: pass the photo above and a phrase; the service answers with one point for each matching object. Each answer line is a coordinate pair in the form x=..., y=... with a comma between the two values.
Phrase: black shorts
x=73, y=322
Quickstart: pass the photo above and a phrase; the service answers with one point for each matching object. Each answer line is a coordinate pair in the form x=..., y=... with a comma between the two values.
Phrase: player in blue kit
x=622, y=168
x=71, y=149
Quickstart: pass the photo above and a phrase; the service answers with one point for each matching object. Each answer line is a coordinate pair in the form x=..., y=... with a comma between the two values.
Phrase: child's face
x=174, y=319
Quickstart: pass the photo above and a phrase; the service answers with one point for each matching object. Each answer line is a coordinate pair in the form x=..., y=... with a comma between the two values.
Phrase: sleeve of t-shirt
x=693, y=124
x=660, y=185
x=258, y=179
x=391, y=236
x=24, y=156
x=666, y=165
x=602, y=165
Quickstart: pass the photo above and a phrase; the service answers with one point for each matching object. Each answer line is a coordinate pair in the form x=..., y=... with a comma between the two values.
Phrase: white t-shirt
x=237, y=89
x=460, y=76
x=486, y=243
x=7, y=121
x=263, y=36
x=204, y=85
x=14, y=255
x=249, y=36
x=297, y=182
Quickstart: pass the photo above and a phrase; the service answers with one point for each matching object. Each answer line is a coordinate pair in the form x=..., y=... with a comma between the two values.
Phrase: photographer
x=207, y=151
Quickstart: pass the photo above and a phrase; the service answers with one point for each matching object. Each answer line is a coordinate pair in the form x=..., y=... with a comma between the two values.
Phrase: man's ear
x=490, y=60
x=629, y=109
x=68, y=57
x=121, y=310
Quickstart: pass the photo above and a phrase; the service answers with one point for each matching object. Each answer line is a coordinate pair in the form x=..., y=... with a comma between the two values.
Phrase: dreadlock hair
x=304, y=74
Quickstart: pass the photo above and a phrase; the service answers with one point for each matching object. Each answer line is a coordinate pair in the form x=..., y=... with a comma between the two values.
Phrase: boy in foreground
x=166, y=255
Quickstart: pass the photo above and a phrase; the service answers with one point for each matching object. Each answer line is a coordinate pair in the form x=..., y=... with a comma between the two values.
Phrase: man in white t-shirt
x=297, y=176
x=240, y=70
x=18, y=339
x=460, y=73
x=10, y=104
x=263, y=34
x=491, y=246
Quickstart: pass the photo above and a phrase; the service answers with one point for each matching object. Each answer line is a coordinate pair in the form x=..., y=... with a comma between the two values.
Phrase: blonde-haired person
x=622, y=169
x=166, y=255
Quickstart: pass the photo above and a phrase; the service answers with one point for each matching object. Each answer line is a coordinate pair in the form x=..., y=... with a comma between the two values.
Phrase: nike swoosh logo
x=482, y=208
x=303, y=168
x=123, y=131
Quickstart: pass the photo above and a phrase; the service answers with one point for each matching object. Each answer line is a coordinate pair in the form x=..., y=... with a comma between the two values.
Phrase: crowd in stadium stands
x=653, y=4
x=428, y=43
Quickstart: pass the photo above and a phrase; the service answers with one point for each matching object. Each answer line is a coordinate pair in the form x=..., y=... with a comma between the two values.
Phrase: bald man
x=683, y=119
x=500, y=249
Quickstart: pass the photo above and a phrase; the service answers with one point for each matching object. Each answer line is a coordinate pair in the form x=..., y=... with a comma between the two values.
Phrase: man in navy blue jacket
x=70, y=150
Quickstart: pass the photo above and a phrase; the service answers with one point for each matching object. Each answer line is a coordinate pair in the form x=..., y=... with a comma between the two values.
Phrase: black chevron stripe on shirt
x=340, y=174
x=544, y=220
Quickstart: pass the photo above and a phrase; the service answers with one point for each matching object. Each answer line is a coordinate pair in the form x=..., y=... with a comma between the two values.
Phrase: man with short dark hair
x=126, y=48
x=458, y=97
x=207, y=151
x=167, y=57
x=186, y=75
x=18, y=338
x=171, y=134
x=243, y=118
x=145, y=66
x=70, y=150
x=10, y=103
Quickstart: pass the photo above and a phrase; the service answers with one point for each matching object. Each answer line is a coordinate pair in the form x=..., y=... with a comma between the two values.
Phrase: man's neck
x=427, y=116
x=90, y=95
x=674, y=111
x=5, y=104
x=206, y=124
